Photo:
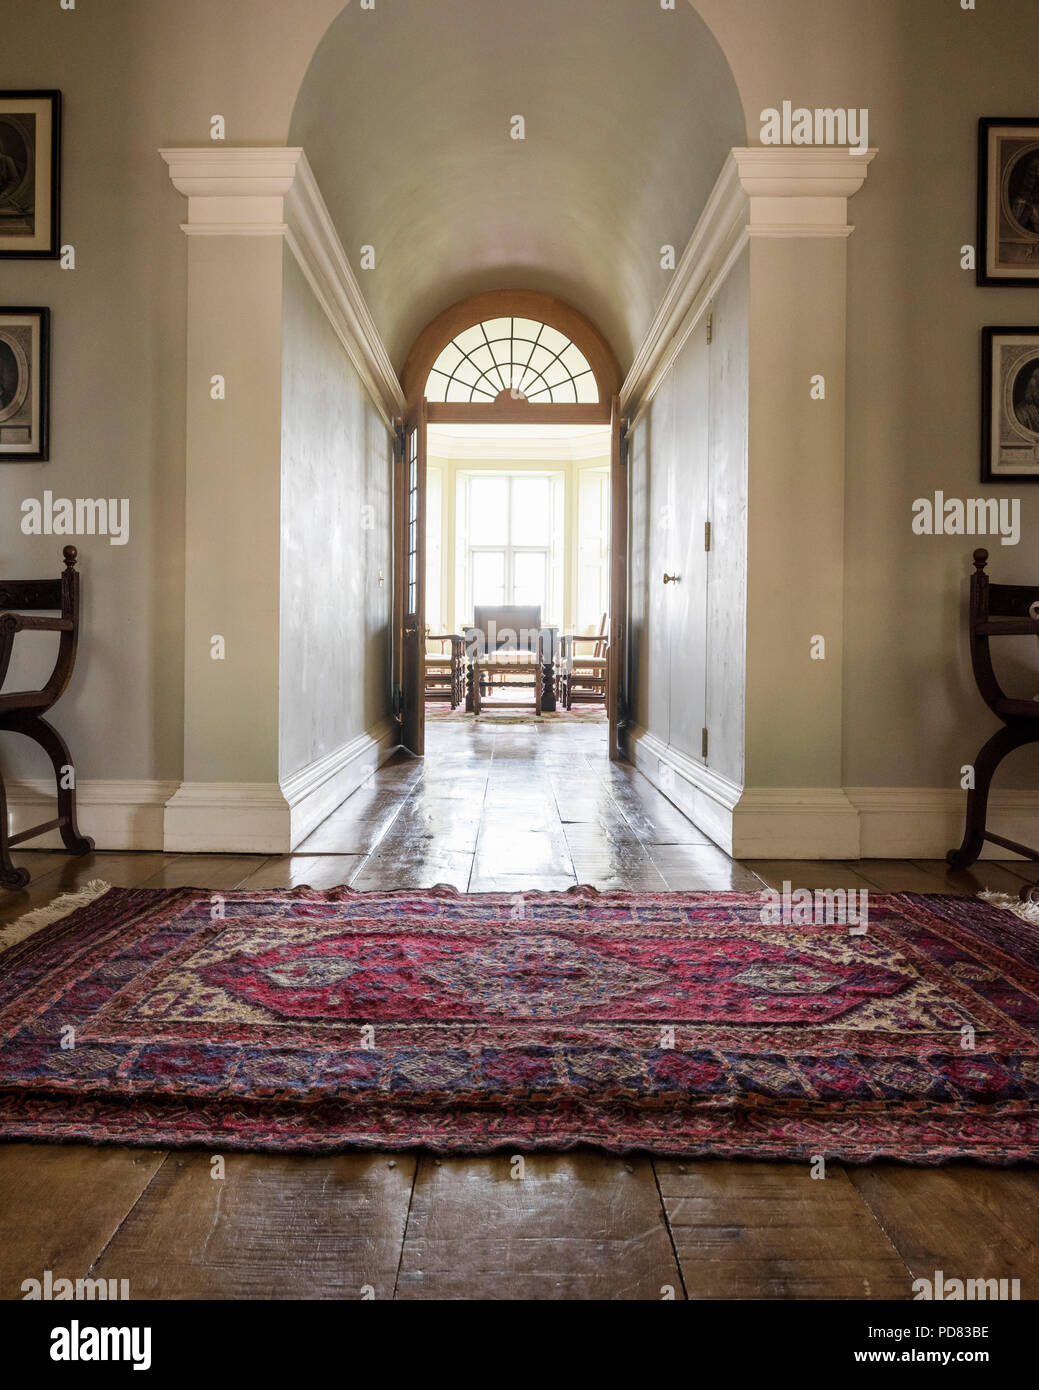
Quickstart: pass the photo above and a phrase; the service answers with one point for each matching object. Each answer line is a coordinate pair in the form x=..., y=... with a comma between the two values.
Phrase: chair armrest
x=23, y=622
x=13, y=623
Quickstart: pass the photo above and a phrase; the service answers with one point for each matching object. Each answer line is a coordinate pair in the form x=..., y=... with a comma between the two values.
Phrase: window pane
x=531, y=511
x=448, y=359
x=488, y=577
x=436, y=386
x=530, y=574
x=587, y=391
x=489, y=511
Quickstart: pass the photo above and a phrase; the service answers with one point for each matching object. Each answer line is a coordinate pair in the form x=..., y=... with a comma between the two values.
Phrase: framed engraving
x=1010, y=405
x=30, y=174
x=24, y=385
x=1008, y=202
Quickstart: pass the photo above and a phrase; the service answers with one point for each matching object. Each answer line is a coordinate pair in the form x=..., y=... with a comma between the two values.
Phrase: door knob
x=672, y=579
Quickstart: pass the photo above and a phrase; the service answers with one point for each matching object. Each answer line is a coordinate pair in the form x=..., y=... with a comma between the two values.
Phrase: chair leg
x=46, y=735
x=10, y=877
x=1001, y=743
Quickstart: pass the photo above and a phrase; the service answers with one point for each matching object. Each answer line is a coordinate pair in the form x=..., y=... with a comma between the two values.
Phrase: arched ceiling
x=405, y=116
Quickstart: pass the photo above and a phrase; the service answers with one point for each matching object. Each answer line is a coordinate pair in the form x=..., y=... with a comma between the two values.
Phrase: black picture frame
x=35, y=405
x=1005, y=370
x=15, y=143
x=1002, y=240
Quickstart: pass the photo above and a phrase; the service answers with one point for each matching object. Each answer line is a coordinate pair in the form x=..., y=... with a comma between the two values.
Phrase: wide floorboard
x=509, y=806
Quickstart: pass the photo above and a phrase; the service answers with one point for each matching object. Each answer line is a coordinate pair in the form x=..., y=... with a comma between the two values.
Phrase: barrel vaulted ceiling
x=405, y=116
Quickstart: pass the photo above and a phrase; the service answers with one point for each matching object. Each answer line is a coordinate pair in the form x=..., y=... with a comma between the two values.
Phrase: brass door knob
x=671, y=579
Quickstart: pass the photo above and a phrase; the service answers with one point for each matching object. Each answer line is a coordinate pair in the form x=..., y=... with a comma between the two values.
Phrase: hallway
x=502, y=806
x=496, y=808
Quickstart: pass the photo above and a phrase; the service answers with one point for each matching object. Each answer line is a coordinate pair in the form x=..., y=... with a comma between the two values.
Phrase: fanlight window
x=535, y=361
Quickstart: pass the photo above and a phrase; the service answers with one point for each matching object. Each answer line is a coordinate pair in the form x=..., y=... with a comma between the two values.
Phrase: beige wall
x=138, y=75
x=336, y=509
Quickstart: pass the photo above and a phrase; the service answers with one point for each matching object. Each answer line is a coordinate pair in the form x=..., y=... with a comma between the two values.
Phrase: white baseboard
x=315, y=791
x=707, y=798
x=795, y=823
x=268, y=817
x=926, y=822
x=827, y=822
x=227, y=818
x=117, y=815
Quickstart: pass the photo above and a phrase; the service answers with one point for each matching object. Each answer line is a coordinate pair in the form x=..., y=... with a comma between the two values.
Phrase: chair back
x=997, y=610
x=505, y=627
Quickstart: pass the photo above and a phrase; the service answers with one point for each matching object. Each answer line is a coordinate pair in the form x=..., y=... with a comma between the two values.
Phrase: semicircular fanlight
x=512, y=356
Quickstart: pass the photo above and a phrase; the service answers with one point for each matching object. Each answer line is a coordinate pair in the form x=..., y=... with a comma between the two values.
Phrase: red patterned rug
x=672, y=1023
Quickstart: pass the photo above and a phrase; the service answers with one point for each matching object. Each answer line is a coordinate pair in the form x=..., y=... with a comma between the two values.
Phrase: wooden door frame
x=407, y=666
x=617, y=693
x=442, y=330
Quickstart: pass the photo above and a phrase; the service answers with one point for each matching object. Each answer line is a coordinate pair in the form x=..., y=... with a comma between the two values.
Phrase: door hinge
x=703, y=743
x=710, y=329
x=707, y=535
x=398, y=702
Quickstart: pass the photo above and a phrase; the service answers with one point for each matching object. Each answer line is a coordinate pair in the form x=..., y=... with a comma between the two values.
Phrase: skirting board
x=926, y=822
x=827, y=822
x=271, y=818
x=314, y=792
x=117, y=815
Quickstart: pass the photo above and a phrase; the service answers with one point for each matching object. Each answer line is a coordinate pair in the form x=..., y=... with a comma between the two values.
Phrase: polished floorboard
x=500, y=807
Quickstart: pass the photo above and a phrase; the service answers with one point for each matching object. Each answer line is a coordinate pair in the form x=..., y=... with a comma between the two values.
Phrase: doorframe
x=507, y=410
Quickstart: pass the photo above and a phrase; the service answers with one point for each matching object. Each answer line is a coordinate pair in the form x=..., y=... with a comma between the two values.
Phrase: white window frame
x=554, y=552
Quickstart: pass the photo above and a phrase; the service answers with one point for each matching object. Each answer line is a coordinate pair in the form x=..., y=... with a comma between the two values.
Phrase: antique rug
x=671, y=1023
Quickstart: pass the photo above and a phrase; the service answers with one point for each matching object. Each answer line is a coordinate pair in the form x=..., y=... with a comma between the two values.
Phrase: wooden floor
x=505, y=806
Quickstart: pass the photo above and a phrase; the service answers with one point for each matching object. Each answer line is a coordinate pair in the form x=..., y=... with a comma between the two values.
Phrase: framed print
x=30, y=170
x=1010, y=405
x=1008, y=201
x=24, y=385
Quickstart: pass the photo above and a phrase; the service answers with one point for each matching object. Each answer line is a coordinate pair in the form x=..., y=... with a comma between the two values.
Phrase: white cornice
x=762, y=191
x=315, y=243
x=273, y=192
x=717, y=240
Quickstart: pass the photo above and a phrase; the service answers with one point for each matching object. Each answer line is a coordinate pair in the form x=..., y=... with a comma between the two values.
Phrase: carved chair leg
x=10, y=876
x=1001, y=743
x=548, y=696
x=46, y=735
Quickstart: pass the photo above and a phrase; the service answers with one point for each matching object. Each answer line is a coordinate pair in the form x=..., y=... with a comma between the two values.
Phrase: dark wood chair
x=996, y=610
x=445, y=668
x=583, y=674
x=22, y=711
x=507, y=647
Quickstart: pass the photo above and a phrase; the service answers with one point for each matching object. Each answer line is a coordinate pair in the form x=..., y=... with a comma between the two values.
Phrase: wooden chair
x=506, y=646
x=21, y=711
x=583, y=675
x=996, y=610
x=445, y=668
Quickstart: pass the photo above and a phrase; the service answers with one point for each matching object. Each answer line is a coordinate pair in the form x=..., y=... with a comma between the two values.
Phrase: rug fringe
x=1027, y=911
x=31, y=922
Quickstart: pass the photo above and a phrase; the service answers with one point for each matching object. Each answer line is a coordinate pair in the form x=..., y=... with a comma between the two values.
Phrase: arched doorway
x=503, y=358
